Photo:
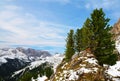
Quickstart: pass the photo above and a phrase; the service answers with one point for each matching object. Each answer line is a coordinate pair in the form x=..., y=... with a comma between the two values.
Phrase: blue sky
x=44, y=24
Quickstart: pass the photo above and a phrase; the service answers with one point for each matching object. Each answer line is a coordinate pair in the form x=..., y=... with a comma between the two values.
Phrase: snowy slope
x=114, y=71
x=11, y=54
x=54, y=60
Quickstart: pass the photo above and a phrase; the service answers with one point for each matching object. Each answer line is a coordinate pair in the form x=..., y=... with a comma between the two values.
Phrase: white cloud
x=108, y=5
x=25, y=29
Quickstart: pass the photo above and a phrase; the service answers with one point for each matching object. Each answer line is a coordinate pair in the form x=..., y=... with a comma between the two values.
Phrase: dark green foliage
x=27, y=77
x=83, y=36
x=101, y=44
x=48, y=72
x=12, y=65
x=87, y=33
x=70, y=45
x=78, y=40
x=43, y=69
x=1, y=79
x=95, y=34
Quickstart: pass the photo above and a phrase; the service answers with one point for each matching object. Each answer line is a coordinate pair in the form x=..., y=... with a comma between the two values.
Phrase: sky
x=44, y=24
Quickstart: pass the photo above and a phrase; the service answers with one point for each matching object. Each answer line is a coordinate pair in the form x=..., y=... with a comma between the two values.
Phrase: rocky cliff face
x=116, y=29
x=116, y=36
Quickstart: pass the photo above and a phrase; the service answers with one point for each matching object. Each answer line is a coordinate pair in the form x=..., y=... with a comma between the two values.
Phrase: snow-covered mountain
x=42, y=67
x=54, y=60
x=15, y=59
x=26, y=55
x=14, y=62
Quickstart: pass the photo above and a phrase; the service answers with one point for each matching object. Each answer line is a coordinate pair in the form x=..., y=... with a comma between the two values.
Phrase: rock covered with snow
x=83, y=66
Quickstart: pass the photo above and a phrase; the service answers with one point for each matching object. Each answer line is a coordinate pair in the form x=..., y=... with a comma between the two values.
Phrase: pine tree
x=101, y=44
x=86, y=34
x=70, y=45
x=78, y=40
x=83, y=37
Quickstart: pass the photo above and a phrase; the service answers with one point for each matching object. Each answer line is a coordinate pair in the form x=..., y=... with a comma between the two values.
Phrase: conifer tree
x=82, y=37
x=70, y=45
x=78, y=40
x=86, y=33
x=101, y=44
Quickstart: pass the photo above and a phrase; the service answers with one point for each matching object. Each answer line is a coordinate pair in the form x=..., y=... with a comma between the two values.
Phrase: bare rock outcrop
x=116, y=29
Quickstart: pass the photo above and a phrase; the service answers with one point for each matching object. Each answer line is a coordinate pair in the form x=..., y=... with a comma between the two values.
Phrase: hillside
x=84, y=66
x=43, y=67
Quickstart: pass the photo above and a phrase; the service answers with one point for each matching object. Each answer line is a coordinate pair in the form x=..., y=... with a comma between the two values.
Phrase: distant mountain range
x=15, y=59
x=27, y=55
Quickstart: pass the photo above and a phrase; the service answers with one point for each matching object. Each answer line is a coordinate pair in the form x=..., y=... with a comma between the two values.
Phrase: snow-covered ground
x=43, y=78
x=114, y=71
x=55, y=60
x=79, y=65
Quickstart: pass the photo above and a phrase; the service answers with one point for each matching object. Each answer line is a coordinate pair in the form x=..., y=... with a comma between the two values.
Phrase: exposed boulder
x=82, y=67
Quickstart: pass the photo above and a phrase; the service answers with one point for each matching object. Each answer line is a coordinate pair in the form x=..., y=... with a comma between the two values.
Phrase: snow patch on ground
x=43, y=78
x=92, y=61
x=85, y=70
x=73, y=75
x=36, y=64
x=114, y=70
x=55, y=60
